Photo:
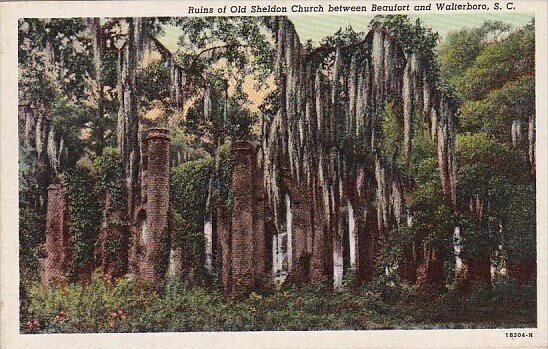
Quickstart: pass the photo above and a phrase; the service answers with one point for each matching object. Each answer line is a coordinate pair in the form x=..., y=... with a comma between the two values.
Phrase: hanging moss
x=84, y=215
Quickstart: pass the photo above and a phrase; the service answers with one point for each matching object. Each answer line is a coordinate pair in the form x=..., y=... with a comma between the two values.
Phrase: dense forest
x=246, y=180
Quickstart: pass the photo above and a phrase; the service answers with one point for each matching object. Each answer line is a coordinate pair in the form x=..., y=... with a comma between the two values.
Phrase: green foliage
x=85, y=215
x=33, y=180
x=90, y=307
x=433, y=216
x=491, y=70
x=415, y=38
x=189, y=185
x=109, y=187
x=43, y=44
x=520, y=230
x=391, y=254
x=497, y=64
x=240, y=40
x=225, y=175
x=481, y=159
x=460, y=49
x=109, y=177
x=495, y=113
x=492, y=173
x=123, y=307
x=153, y=82
x=391, y=133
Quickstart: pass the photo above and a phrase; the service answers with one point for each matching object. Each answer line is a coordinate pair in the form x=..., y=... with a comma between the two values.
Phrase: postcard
x=273, y=174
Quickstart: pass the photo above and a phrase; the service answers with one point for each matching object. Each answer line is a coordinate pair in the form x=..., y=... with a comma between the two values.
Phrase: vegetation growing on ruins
x=85, y=216
x=425, y=146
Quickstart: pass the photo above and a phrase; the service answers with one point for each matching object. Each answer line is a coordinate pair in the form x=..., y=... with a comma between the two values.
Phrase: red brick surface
x=242, y=247
x=157, y=204
x=58, y=247
x=302, y=232
x=224, y=243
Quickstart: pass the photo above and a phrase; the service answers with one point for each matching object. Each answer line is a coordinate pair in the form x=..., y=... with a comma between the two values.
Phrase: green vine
x=189, y=185
x=84, y=215
x=109, y=179
x=109, y=182
x=225, y=175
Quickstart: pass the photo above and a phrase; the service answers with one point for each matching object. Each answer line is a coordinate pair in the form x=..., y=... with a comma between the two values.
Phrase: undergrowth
x=103, y=306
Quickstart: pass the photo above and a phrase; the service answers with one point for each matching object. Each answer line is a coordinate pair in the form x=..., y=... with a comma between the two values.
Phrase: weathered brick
x=242, y=246
x=302, y=232
x=153, y=232
x=58, y=246
x=259, y=216
x=319, y=247
x=224, y=243
x=473, y=273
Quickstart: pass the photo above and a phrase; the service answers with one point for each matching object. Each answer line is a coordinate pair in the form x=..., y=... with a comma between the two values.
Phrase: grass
x=122, y=307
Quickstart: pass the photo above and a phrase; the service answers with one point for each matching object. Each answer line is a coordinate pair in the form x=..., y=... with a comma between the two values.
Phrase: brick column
x=301, y=207
x=157, y=204
x=259, y=228
x=224, y=241
x=473, y=273
x=243, y=262
x=58, y=246
x=430, y=272
x=319, y=248
x=338, y=246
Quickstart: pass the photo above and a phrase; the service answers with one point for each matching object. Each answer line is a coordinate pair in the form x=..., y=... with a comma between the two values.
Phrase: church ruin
x=315, y=199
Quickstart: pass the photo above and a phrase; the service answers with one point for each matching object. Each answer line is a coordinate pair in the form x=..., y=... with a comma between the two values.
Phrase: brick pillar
x=301, y=207
x=317, y=261
x=430, y=272
x=153, y=233
x=224, y=242
x=243, y=261
x=473, y=273
x=259, y=229
x=58, y=246
x=338, y=250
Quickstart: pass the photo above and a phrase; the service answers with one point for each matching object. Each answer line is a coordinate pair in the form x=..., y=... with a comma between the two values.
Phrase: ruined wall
x=58, y=246
x=241, y=234
x=323, y=116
